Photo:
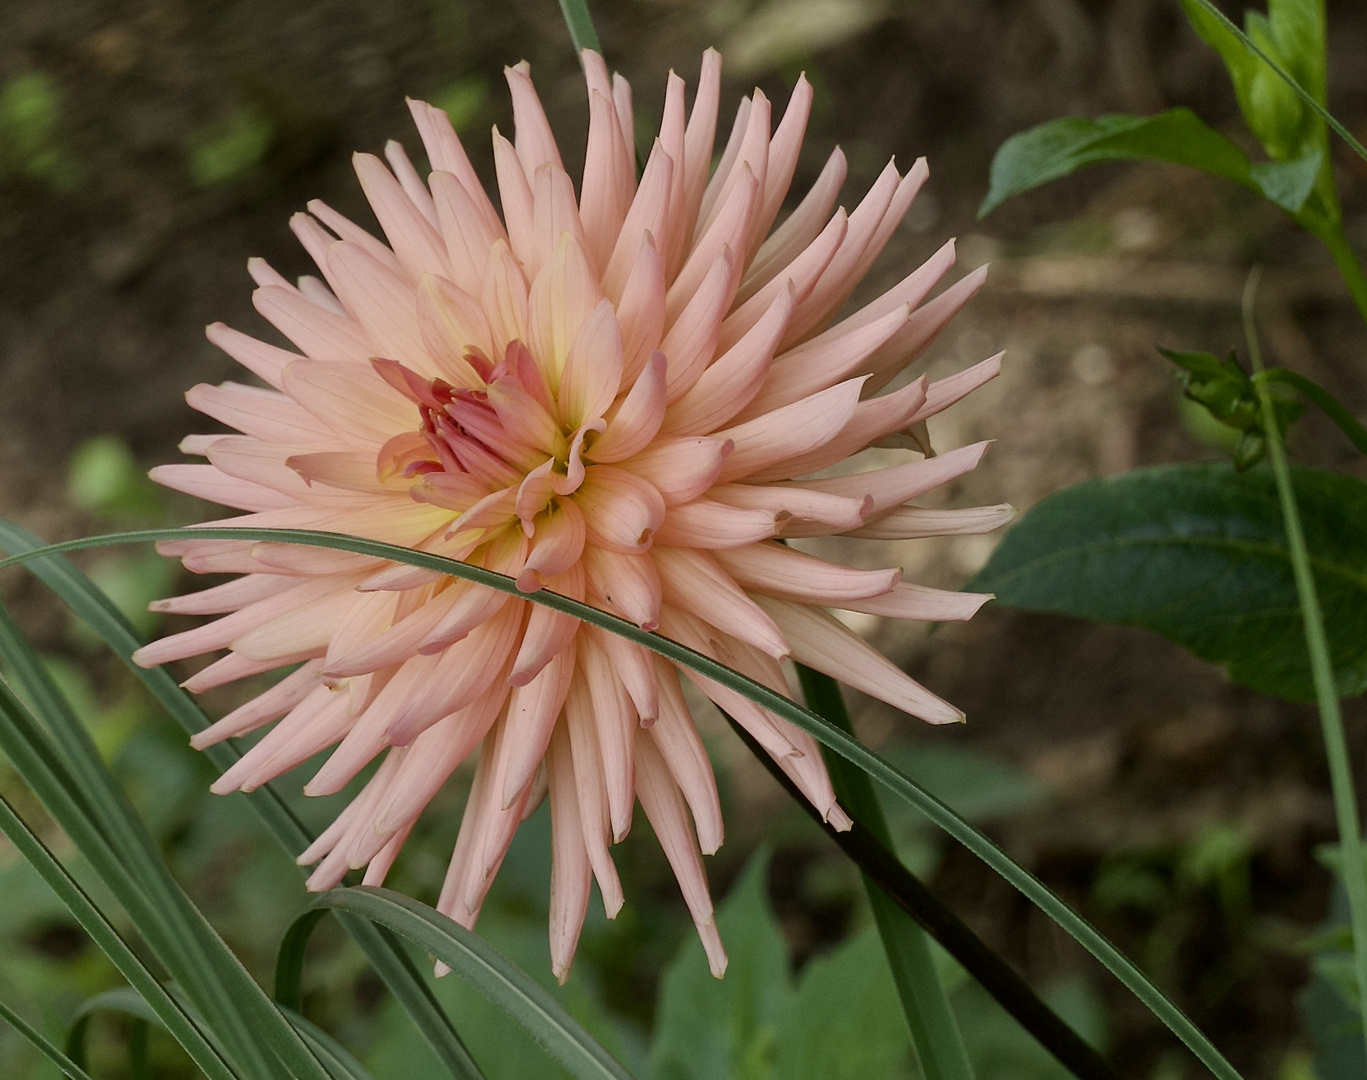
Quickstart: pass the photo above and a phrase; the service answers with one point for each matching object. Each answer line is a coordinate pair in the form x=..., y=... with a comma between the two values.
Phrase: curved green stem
x=1319, y=396
x=1326, y=695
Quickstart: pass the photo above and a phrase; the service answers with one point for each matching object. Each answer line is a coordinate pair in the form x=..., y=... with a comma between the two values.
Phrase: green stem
x=934, y=1031
x=580, y=23
x=1326, y=695
x=1349, y=267
x=950, y=932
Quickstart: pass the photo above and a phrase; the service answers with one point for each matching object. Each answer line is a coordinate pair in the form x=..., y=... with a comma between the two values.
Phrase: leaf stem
x=878, y=863
x=1304, y=94
x=1349, y=267
x=934, y=1032
x=1321, y=669
x=580, y=24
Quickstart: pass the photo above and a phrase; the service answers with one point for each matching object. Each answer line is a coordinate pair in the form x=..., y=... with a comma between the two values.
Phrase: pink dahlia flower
x=607, y=394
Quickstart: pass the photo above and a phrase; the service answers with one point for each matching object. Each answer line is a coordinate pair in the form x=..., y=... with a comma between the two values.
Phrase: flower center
x=498, y=453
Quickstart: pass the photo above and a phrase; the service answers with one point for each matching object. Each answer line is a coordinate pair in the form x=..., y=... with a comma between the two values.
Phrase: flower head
x=607, y=394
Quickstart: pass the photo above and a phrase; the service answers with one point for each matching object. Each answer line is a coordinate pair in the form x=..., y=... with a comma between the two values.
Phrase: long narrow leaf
x=35, y=1039
x=386, y=955
x=176, y=1019
x=821, y=729
x=1318, y=395
x=488, y=971
x=934, y=1031
x=1322, y=670
x=580, y=24
x=93, y=793
x=340, y=1062
x=184, y=942
x=1305, y=95
x=878, y=863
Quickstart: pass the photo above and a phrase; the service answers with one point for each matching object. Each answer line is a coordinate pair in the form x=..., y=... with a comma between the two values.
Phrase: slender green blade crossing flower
x=608, y=393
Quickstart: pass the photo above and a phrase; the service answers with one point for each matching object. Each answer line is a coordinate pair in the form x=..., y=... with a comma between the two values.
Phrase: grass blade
x=486, y=969
x=35, y=1039
x=934, y=1031
x=992, y=973
x=176, y=1019
x=821, y=729
x=580, y=24
x=1317, y=644
x=1305, y=95
x=60, y=763
x=385, y=954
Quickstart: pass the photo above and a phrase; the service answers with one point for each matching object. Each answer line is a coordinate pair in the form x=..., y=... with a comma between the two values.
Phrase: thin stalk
x=580, y=23
x=1322, y=672
x=934, y=1032
x=878, y=863
x=779, y=704
x=1304, y=94
x=1349, y=267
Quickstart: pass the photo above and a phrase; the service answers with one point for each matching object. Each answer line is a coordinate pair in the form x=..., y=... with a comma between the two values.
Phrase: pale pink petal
x=321, y=334
x=628, y=585
x=614, y=719
x=533, y=710
x=908, y=601
x=911, y=522
x=592, y=794
x=732, y=380
x=633, y=665
x=265, y=707
x=800, y=229
x=468, y=235
x=694, y=581
x=637, y=418
x=706, y=524
x=535, y=143
x=668, y=814
x=821, y=642
x=412, y=236
x=889, y=487
x=570, y=870
x=266, y=362
x=789, y=432
x=677, y=739
x=800, y=276
x=641, y=311
x=782, y=571
x=681, y=469
x=691, y=341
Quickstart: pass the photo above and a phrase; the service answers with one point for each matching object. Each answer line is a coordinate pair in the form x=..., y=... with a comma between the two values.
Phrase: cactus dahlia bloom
x=608, y=394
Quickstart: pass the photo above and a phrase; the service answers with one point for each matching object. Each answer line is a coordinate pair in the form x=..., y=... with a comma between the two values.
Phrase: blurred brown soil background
x=111, y=265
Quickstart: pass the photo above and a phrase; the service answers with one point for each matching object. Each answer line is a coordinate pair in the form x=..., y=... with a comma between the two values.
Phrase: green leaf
x=1198, y=554
x=385, y=954
x=32, y=1036
x=710, y=1029
x=844, y=1022
x=1060, y=147
x=580, y=25
x=1292, y=37
x=935, y=1037
x=177, y=1019
x=780, y=705
x=1289, y=183
x=480, y=964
